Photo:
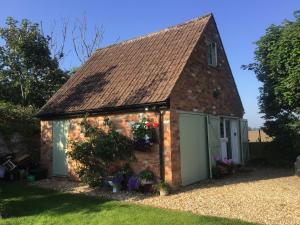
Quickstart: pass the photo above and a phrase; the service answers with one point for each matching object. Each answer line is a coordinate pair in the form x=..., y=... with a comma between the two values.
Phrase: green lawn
x=30, y=205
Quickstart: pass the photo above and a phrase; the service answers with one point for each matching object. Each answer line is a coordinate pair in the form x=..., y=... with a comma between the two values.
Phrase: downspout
x=161, y=146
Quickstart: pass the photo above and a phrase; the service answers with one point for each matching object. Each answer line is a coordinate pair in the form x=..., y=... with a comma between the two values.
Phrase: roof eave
x=107, y=110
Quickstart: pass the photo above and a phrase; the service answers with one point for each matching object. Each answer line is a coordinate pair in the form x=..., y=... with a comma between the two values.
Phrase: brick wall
x=193, y=91
x=120, y=122
x=46, y=145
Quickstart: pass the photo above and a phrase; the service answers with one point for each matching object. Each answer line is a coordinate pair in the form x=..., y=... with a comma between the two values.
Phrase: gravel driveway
x=267, y=196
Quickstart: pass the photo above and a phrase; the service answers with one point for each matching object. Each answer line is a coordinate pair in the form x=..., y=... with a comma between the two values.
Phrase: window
x=222, y=127
x=212, y=53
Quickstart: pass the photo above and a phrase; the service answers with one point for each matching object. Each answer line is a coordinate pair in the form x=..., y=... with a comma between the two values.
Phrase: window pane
x=209, y=53
x=212, y=53
x=221, y=127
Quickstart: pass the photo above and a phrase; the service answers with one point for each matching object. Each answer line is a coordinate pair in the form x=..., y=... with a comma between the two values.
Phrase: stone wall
x=19, y=144
x=120, y=122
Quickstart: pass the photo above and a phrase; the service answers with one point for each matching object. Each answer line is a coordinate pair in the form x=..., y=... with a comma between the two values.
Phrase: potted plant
x=146, y=177
x=126, y=173
x=223, y=168
x=133, y=183
x=116, y=182
x=162, y=187
x=144, y=134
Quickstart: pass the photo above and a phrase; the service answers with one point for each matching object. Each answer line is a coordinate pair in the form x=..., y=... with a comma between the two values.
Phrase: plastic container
x=30, y=178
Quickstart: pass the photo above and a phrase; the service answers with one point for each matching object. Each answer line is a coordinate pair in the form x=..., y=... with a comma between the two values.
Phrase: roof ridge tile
x=156, y=32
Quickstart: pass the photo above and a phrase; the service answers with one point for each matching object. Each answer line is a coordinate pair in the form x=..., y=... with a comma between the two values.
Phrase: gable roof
x=140, y=71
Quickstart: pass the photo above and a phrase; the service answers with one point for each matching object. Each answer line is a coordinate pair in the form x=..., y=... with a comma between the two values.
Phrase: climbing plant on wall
x=98, y=151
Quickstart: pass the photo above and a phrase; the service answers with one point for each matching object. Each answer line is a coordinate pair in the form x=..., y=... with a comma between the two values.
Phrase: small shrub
x=146, y=175
x=219, y=171
x=162, y=187
x=223, y=168
x=91, y=175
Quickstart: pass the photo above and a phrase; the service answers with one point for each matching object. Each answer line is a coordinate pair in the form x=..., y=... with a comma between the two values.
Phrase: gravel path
x=267, y=196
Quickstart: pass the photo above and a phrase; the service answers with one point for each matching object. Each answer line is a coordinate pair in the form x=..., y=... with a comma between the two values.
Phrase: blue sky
x=239, y=22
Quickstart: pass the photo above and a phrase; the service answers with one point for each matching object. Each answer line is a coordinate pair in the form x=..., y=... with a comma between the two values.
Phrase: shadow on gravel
x=249, y=174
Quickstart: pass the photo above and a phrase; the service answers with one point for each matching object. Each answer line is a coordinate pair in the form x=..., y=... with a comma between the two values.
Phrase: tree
x=85, y=41
x=83, y=46
x=29, y=75
x=277, y=66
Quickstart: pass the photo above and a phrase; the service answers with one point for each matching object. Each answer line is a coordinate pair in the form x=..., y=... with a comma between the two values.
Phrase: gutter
x=158, y=106
x=105, y=110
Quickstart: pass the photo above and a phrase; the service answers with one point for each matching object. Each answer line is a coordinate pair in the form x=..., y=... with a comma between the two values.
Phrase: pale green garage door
x=193, y=148
x=60, y=143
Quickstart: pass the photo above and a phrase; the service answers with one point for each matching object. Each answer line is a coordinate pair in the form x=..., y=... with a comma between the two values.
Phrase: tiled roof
x=143, y=70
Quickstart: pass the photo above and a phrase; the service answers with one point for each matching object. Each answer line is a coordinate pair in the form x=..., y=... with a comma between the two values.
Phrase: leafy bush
x=161, y=185
x=91, y=175
x=146, y=175
x=98, y=151
x=16, y=118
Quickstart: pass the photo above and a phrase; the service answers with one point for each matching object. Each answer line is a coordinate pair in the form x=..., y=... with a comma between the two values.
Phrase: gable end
x=206, y=88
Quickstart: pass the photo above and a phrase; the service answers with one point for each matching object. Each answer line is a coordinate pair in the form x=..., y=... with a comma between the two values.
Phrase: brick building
x=180, y=77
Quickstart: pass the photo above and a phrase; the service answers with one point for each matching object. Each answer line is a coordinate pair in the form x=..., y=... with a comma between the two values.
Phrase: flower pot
x=163, y=192
x=116, y=188
x=146, y=182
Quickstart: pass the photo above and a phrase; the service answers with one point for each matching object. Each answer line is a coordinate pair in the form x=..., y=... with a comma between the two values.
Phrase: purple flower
x=216, y=158
x=133, y=183
x=227, y=161
x=117, y=180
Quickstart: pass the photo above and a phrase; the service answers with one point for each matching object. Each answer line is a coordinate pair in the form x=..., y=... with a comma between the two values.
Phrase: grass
x=30, y=205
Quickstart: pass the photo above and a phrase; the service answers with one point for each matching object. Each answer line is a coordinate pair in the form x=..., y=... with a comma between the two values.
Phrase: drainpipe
x=161, y=146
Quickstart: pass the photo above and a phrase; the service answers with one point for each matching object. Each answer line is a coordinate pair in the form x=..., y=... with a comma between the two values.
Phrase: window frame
x=212, y=54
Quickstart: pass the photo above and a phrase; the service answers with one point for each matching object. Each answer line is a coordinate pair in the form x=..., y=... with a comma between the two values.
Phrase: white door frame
x=235, y=146
x=234, y=139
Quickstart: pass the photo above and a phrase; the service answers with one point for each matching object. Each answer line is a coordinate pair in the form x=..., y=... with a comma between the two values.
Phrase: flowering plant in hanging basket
x=144, y=134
